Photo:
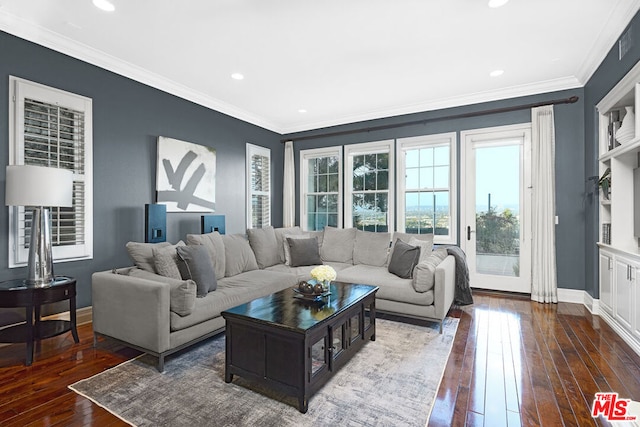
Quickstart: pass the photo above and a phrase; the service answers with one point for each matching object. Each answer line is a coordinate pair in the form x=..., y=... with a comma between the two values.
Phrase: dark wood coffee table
x=295, y=346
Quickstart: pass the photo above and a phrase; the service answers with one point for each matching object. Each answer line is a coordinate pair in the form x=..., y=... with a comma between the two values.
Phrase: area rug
x=391, y=381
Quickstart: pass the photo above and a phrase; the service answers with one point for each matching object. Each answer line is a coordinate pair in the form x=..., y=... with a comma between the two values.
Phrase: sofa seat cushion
x=233, y=291
x=304, y=273
x=391, y=287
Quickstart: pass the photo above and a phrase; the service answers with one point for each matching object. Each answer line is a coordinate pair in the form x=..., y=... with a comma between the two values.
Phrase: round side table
x=15, y=293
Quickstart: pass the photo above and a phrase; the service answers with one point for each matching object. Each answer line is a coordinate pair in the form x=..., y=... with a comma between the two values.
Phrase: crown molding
x=34, y=33
x=605, y=42
x=476, y=98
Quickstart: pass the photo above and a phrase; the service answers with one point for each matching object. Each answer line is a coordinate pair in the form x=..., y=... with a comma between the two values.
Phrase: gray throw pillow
x=200, y=268
x=167, y=263
x=238, y=255
x=403, y=259
x=304, y=251
x=337, y=244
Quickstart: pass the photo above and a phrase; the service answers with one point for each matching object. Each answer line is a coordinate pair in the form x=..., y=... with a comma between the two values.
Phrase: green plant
x=605, y=182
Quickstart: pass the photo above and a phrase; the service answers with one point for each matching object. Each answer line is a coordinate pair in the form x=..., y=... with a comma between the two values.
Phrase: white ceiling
x=341, y=60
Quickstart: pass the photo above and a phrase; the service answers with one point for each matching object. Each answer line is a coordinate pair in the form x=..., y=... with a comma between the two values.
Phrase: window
x=426, y=186
x=320, y=188
x=258, y=186
x=50, y=127
x=369, y=186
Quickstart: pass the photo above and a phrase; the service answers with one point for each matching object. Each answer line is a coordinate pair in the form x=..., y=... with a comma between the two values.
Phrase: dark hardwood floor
x=513, y=362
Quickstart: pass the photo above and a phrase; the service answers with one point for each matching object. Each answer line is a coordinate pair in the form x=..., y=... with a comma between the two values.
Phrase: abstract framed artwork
x=186, y=176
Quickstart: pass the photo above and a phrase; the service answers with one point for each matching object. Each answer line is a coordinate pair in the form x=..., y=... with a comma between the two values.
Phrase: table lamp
x=39, y=187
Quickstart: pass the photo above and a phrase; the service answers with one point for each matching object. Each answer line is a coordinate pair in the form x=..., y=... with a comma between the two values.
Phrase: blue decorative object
x=155, y=223
x=211, y=223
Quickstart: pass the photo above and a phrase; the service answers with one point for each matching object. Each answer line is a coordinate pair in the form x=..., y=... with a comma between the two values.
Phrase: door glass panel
x=318, y=356
x=337, y=341
x=355, y=327
x=498, y=210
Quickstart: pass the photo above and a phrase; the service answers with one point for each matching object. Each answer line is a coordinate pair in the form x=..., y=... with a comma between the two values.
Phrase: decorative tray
x=310, y=297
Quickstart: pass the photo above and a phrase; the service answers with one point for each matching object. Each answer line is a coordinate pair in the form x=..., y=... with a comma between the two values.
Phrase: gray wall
x=127, y=119
x=610, y=71
x=569, y=119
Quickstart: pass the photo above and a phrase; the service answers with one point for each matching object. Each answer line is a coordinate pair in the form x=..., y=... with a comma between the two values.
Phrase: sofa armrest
x=445, y=286
x=131, y=309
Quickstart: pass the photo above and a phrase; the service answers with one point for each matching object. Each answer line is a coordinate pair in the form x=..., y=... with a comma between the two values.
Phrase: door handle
x=468, y=232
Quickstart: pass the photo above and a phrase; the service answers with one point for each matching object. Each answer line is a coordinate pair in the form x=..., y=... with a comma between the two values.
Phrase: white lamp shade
x=38, y=186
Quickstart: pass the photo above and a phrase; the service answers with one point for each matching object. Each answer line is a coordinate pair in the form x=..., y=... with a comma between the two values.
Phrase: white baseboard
x=83, y=315
x=575, y=296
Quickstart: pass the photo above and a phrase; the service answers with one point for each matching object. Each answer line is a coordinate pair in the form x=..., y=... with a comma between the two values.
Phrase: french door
x=496, y=207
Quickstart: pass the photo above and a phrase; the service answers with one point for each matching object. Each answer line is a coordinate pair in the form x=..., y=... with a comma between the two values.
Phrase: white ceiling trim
x=42, y=36
x=603, y=42
x=476, y=98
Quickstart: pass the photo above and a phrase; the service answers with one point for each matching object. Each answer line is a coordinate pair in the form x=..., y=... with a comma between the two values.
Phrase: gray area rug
x=392, y=381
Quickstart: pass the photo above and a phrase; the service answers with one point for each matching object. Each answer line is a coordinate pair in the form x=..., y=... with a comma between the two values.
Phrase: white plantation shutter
x=259, y=186
x=52, y=128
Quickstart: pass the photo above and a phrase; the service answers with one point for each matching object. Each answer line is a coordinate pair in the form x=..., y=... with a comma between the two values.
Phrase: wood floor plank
x=513, y=362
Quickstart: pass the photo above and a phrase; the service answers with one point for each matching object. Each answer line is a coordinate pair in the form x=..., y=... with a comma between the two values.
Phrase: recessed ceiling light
x=496, y=73
x=237, y=76
x=497, y=3
x=302, y=110
x=105, y=5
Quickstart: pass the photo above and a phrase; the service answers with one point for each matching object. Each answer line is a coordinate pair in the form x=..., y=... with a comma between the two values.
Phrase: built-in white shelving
x=619, y=263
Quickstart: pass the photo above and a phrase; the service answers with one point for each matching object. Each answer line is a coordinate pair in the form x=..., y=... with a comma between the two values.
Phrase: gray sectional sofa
x=152, y=308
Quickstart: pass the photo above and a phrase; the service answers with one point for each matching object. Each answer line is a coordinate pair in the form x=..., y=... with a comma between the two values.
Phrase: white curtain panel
x=544, y=287
x=289, y=187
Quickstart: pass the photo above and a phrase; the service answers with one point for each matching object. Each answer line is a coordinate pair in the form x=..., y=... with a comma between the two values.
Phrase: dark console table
x=295, y=346
x=15, y=293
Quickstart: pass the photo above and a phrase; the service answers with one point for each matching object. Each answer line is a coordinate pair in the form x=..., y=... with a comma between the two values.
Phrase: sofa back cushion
x=426, y=240
x=280, y=238
x=425, y=272
x=142, y=254
x=337, y=244
x=238, y=255
x=215, y=248
x=371, y=248
x=265, y=246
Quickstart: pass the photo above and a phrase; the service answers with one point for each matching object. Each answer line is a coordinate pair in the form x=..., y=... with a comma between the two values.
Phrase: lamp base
x=40, y=265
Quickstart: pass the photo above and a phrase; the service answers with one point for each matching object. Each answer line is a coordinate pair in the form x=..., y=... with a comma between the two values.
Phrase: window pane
x=322, y=203
x=382, y=204
x=311, y=221
x=442, y=219
x=311, y=183
x=333, y=220
x=426, y=156
x=323, y=165
x=334, y=164
x=441, y=177
x=370, y=161
x=412, y=178
x=441, y=155
x=358, y=164
x=311, y=204
x=358, y=182
x=426, y=177
x=383, y=161
x=334, y=184
x=412, y=158
x=383, y=180
x=322, y=183
x=332, y=203
x=370, y=181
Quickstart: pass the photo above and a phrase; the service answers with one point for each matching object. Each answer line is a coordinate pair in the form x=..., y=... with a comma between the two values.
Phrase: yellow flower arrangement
x=323, y=273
